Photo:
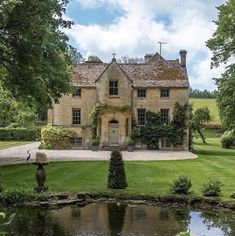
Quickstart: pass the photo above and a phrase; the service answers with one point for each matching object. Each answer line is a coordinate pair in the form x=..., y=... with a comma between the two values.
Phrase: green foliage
x=25, y=134
x=19, y=195
x=228, y=139
x=199, y=118
x=34, y=52
x=222, y=45
x=154, y=129
x=226, y=98
x=15, y=114
x=56, y=138
x=211, y=188
x=96, y=142
x=1, y=183
x=97, y=109
x=116, y=175
x=196, y=93
x=93, y=58
x=181, y=185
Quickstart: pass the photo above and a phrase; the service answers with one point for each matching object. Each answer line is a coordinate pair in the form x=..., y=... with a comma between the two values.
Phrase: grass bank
x=8, y=144
x=211, y=104
x=144, y=178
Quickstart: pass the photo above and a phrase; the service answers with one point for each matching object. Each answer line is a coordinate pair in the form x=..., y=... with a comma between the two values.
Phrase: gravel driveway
x=16, y=155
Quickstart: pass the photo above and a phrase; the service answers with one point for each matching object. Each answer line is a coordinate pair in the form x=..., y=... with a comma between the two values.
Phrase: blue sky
x=133, y=28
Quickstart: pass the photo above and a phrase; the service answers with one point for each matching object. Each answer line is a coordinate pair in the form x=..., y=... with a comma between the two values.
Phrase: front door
x=113, y=134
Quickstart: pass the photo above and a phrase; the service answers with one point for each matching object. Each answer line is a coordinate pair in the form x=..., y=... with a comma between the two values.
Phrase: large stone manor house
x=155, y=85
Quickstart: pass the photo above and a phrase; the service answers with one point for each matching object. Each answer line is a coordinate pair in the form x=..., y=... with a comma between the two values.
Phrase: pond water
x=118, y=219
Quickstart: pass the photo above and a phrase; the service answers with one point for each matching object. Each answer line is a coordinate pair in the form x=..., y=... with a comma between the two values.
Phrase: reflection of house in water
x=113, y=219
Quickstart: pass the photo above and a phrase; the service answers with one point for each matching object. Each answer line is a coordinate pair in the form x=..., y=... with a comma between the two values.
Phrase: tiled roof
x=156, y=73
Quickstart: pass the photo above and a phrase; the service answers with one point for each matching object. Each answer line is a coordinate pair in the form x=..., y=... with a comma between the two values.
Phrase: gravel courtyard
x=18, y=155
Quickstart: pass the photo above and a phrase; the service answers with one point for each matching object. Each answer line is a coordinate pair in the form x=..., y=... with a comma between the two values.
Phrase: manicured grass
x=211, y=104
x=8, y=144
x=147, y=177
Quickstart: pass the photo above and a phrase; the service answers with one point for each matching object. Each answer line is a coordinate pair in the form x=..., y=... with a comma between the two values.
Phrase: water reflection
x=119, y=219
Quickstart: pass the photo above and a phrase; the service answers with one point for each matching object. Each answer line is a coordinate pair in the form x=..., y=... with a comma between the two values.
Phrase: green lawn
x=7, y=144
x=143, y=177
x=211, y=104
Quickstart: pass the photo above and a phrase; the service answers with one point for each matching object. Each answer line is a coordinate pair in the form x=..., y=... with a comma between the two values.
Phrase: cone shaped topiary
x=117, y=176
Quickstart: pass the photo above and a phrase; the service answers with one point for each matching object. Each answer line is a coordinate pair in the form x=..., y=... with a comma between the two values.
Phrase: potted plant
x=95, y=144
x=130, y=145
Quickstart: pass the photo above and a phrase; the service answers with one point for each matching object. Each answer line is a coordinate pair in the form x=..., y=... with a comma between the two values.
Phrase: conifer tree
x=116, y=176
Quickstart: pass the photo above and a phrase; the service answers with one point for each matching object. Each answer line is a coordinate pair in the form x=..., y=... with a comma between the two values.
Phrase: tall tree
x=34, y=52
x=222, y=45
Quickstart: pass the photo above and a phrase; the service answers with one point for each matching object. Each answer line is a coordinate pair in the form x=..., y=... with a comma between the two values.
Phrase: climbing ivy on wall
x=97, y=109
x=154, y=129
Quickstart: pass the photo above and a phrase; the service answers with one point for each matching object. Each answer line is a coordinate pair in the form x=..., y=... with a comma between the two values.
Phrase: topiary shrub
x=181, y=185
x=211, y=188
x=227, y=139
x=116, y=175
x=56, y=138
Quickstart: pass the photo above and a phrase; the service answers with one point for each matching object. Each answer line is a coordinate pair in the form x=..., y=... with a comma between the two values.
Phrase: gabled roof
x=157, y=72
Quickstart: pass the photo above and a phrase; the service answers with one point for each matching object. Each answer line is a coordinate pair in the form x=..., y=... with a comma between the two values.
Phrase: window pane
x=113, y=87
x=141, y=116
x=165, y=116
x=141, y=93
x=76, y=141
x=76, y=116
x=165, y=143
x=165, y=93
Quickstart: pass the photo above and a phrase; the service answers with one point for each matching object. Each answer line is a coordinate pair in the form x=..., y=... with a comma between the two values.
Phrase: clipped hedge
x=23, y=134
x=228, y=139
x=56, y=138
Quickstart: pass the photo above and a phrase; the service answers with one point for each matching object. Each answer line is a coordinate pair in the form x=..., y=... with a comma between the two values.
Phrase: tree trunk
x=202, y=137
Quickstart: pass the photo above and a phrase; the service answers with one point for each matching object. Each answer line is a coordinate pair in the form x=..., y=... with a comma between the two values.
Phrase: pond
x=119, y=219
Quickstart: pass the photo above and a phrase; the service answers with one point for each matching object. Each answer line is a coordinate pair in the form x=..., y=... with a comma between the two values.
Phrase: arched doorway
x=113, y=133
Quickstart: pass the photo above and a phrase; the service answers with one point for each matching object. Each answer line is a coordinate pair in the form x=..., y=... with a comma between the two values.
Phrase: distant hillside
x=211, y=104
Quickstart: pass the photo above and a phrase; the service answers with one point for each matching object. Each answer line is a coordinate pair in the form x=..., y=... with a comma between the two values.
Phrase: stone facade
x=154, y=85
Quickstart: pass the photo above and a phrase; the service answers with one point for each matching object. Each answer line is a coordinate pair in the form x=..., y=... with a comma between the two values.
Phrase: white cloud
x=137, y=32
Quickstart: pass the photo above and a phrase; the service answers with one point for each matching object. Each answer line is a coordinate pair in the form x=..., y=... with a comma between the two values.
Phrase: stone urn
x=40, y=161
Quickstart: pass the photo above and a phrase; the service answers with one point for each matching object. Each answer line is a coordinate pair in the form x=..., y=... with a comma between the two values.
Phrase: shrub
x=211, y=188
x=181, y=185
x=227, y=139
x=95, y=142
x=20, y=195
x=56, y=138
x=24, y=134
x=131, y=142
x=116, y=175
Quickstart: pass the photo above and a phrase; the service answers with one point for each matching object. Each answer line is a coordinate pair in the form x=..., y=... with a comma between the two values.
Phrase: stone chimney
x=183, y=54
x=148, y=57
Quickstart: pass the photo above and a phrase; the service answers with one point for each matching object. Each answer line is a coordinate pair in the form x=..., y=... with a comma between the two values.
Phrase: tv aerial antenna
x=160, y=45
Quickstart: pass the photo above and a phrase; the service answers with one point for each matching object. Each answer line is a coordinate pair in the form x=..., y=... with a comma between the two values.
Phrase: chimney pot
x=183, y=54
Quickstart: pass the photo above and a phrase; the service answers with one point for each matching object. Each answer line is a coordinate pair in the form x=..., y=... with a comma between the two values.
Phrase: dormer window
x=141, y=93
x=113, y=87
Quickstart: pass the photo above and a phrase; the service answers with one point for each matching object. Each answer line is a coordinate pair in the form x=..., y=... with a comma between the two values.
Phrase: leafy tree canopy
x=222, y=45
x=200, y=117
x=93, y=58
x=34, y=54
